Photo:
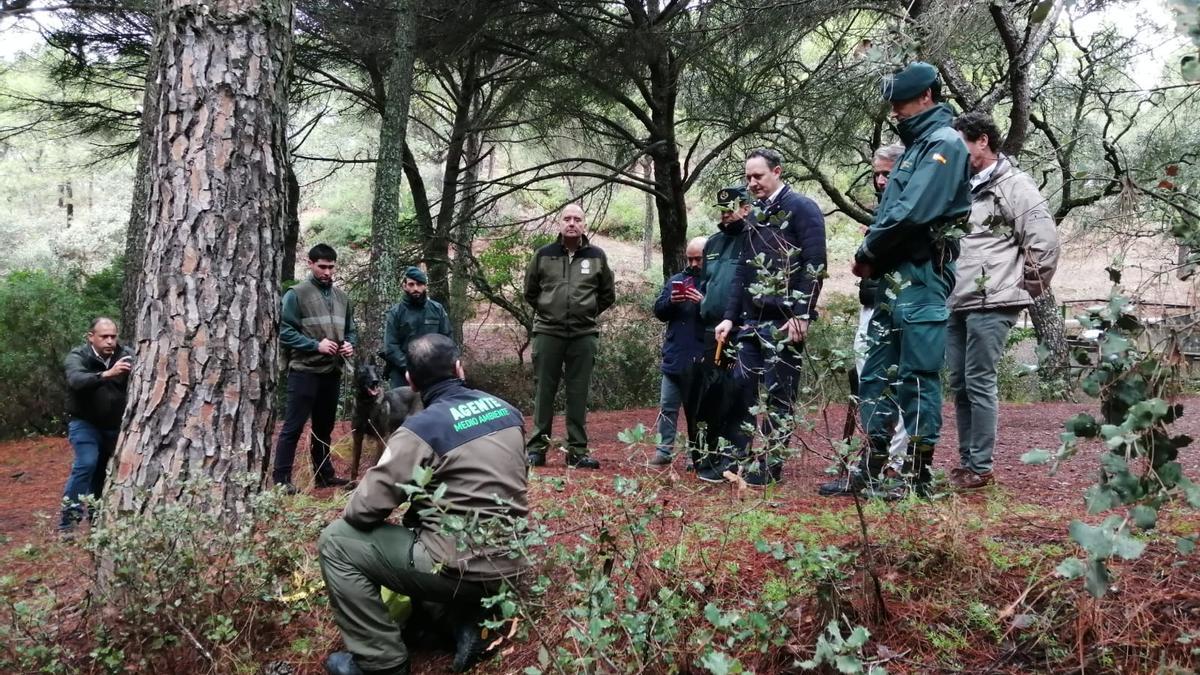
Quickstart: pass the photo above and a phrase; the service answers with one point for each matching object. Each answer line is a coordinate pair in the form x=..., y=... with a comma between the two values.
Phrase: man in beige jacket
x=460, y=466
x=1008, y=258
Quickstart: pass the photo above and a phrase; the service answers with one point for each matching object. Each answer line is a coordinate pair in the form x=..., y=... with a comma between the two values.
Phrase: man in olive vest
x=317, y=335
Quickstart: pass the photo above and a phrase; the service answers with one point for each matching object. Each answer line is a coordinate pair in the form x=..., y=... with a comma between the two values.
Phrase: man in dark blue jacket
x=679, y=306
x=773, y=299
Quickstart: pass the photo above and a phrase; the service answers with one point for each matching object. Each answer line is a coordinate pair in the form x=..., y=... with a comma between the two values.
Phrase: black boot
x=343, y=663
x=471, y=644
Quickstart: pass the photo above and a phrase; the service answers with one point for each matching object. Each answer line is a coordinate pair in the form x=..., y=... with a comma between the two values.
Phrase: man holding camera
x=97, y=381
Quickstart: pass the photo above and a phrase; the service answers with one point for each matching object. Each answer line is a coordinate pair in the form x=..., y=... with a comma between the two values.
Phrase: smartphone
x=677, y=287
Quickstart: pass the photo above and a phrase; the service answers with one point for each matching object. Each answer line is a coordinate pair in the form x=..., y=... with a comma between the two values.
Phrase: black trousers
x=315, y=395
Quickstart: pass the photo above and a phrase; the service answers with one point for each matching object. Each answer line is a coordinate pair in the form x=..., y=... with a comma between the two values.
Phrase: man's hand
x=346, y=350
x=327, y=347
x=677, y=298
x=862, y=270
x=121, y=367
x=692, y=295
x=797, y=329
x=722, y=330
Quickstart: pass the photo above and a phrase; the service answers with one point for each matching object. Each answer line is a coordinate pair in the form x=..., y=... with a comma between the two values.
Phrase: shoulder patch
x=939, y=158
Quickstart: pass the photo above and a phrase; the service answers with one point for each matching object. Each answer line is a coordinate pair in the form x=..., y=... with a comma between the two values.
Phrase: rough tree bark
x=291, y=224
x=135, y=231
x=207, y=331
x=387, y=240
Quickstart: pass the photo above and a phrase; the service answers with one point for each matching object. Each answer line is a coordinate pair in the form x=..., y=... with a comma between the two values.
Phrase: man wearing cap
x=911, y=247
x=715, y=397
x=316, y=336
x=416, y=315
x=569, y=284
x=678, y=305
x=774, y=308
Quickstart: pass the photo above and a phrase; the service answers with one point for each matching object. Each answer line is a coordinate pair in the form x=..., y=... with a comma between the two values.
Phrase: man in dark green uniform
x=568, y=284
x=416, y=315
x=911, y=247
x=716, y=399
x=316, y=334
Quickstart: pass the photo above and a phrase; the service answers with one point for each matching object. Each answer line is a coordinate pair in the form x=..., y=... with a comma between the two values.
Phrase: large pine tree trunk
x=207, y=330
x=387, y=239
x=135, y=231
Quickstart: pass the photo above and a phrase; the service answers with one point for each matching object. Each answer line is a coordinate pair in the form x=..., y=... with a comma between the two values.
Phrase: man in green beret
x=416, y=315
x=911, y=247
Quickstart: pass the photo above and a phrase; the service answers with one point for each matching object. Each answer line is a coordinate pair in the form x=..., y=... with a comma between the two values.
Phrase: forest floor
x=967, y=579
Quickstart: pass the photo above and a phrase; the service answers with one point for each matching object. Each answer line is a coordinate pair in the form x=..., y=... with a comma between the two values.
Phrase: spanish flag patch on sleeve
x=939, y=157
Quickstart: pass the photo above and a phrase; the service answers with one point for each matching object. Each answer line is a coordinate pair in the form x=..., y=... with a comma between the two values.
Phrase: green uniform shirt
x=405, y=321
x=722, y=253
x=927, y=189
x=569, y=291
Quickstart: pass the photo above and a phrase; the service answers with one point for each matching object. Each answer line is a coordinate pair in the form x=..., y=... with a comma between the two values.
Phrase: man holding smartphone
x=97, y=380
x=679, y=306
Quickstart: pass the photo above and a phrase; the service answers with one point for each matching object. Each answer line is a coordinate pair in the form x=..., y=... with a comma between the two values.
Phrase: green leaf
x=720, y=663
x=1082, y=425
x=1185, y=545
x=1094, y=540
x=1144, y=516
x=1096, y=578
x=1036, y=456
x=1191, y=491
x=1071, y=568
x=1127, y=546
x=1101, y=498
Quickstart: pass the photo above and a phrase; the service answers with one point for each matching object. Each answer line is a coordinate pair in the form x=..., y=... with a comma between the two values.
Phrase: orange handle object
x=720, y=347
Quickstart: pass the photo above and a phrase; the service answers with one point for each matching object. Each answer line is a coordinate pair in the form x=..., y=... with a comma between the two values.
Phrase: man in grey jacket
x=1008, y=258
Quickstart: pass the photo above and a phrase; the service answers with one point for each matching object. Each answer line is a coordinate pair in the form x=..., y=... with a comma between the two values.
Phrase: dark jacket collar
x=441, y=389
x=919, y=126
x=323, y=287
x=733, y=229
x=584, y=242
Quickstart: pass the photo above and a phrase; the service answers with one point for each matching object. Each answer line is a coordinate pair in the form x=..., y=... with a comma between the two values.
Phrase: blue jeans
x=93, y=448
x=675, y=391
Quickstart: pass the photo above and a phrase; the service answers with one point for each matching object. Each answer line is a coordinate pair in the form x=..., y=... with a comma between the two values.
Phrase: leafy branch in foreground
x=1135, y=381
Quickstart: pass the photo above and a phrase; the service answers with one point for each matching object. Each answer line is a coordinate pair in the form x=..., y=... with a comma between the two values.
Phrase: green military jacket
x=927, y=191
x=568, y=292
x=405, y=321
x=722, y=253
x=313, y=312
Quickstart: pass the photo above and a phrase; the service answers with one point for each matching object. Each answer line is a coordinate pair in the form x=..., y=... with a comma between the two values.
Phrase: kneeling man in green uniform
x=471, y=447
x=911, y=247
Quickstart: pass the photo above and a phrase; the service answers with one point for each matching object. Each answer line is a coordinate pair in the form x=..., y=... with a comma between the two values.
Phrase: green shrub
x=179, y=591
x=42, y=317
